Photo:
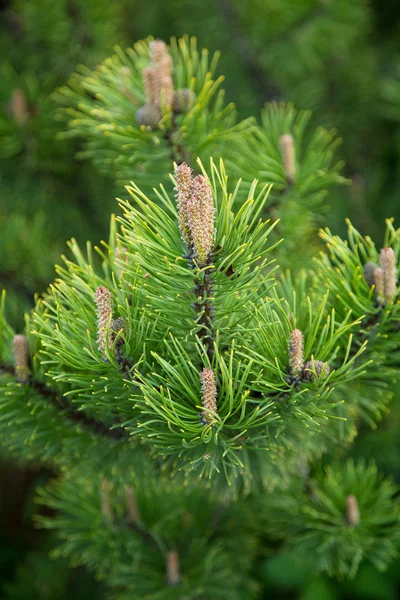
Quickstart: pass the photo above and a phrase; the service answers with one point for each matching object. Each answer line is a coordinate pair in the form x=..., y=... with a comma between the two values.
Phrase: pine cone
x=149, y=115
x=369, y=269
x=184, y=100
x=317, y=368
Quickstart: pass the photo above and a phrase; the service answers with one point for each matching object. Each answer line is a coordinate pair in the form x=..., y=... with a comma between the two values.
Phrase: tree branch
x=61, y=403
x=178, y=153
x=204, y=308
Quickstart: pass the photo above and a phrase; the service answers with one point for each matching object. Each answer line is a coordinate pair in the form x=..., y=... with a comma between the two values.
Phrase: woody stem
x=204, y=308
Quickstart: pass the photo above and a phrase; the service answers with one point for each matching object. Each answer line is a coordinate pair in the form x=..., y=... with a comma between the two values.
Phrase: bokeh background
x=340, y=58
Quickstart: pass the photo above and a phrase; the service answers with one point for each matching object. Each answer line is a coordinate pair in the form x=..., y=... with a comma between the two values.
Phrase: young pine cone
x=148, y=115
x=316, y=368
x=369, y=269
x=184, y=100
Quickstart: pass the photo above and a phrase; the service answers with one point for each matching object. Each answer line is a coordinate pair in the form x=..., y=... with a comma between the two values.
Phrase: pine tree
x=101, y=105
x=187, y=391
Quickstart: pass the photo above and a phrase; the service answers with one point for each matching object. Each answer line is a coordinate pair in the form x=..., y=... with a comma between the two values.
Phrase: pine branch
x=195, y=124
x=204, y=307
x=196, y=222
x=177, y=152
x=69, y=410
x=187, y=551
x=349, y=513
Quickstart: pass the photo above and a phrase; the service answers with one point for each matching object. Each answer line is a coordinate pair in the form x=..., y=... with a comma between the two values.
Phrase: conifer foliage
x=177, y=381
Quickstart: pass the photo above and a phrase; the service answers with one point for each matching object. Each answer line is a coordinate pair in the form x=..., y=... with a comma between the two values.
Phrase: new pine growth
x=105, y=504
x=300, y=370
x=379, y=285
x=104, y=317
x=162, y=93
x=159, y=88
x=131, y=505
x=196, y=213
x=201, y=215
x=383, y=277
x=353, y=512
x=208, y=394
x=21, y=358
x=288, y=159
x=183, y=188
x=296, y=353
x=158, y=85
x=388, y=264
x=173, y=571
